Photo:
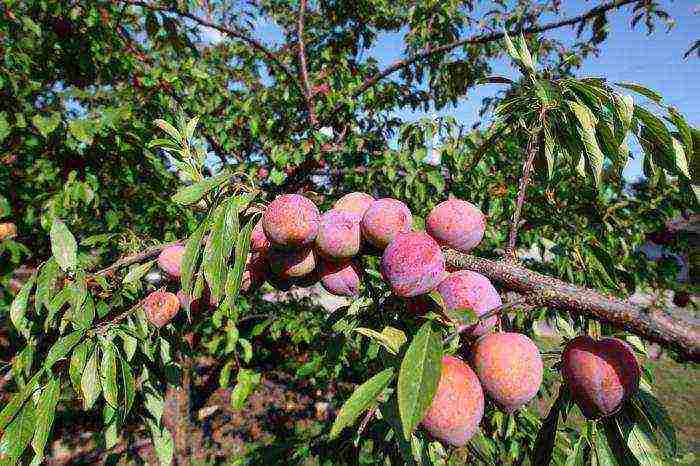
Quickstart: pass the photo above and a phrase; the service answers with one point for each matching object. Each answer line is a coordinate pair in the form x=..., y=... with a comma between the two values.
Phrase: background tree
x=83, y=82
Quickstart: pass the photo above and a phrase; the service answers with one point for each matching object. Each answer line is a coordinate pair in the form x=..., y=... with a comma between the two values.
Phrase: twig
x=228, y=31
x=524, y=181
x=368, y=417
x=525, y=300
x=303, y=66
x=102, y=327
x=483, y=39
x=134, y=258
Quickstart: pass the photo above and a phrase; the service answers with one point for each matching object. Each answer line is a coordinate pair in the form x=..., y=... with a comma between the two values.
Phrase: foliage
x=88, y=178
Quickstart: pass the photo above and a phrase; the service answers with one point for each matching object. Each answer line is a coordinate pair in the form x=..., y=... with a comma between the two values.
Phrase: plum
x=456, y=224
x=161, y=307
x=338, y=235
x=258, y=241
x=170, y=260
x=601, y=375
x=292, y=264
x=291, y=221
x=509, y=367
x=458, y=405
x=413, y=264
x=384, y=219
x=341, y=278
x=357, y=203
x=467, y=289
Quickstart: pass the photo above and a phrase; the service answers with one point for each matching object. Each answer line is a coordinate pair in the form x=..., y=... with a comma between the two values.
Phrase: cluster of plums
x=293, y=243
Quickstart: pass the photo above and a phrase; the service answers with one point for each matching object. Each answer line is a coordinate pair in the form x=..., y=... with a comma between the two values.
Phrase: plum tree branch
x=482, y=39
x=255, y=44
x=649, y=322
x=303, y=66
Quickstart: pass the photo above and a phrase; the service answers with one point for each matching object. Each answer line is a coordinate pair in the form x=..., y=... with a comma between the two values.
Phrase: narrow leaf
x=62, y=347
x=418, y=377
x=18, y=308
x=90, y=381
x=108, y=374
x=18, y=434
x=129, y=387
x=361, y=399
x=45, y=412
x=639, y=89
x=168, y=128
x=63, y=246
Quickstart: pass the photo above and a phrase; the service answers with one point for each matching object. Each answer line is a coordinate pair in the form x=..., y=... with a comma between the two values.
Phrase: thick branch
x=224, y=30
x=303, y=66
x=485, y=39
x=651, y=323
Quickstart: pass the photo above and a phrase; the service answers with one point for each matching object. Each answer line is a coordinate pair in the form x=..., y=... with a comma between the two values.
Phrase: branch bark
x=303, y=66
x=484, y=39
x=651, y=323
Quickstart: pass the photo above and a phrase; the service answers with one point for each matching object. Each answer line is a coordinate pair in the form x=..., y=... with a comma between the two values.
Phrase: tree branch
x=649, y=322
x=484, y=39
x=271, y=58
x=146, y=254
x=303, y=66
x=524, y=181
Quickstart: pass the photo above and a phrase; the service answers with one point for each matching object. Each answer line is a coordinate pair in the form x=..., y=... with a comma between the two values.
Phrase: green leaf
x=129, y=387
x=680, y=159
x=656, y=415
x=18, y=308
x=639, y=89
x=45, y=412
x=193, y=193
x=223, y=235
x=63, y=246
x=5, y=131
x=78, y=359
x=47, y=125
x=18, y=434
x=390, y=338
x=90, y=381
x=162, y=442
x=48, y=276
x=153, y=401
x=544, y=443
x=137, y=271
x=603, y=453
x=587, y=122
x=191, y=256
x=83, y=130
x=246, y=382
x=524, y=54
x=510, y=47
x=62, y=347
x=624, y=106
x=191, y=126
x=15, y=404
x=361, y=399
x=419, y=377
x=110, y=429
x=168, y=128
x=235, y=277
x=108, y=373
